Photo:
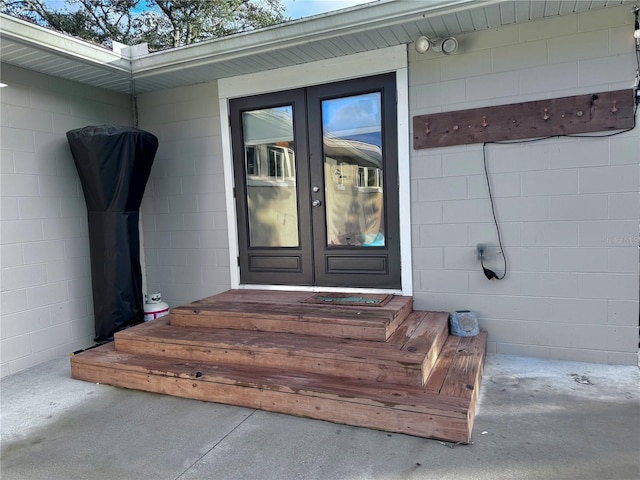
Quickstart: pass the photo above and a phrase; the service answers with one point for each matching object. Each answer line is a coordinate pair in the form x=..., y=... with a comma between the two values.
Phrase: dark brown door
x=316, y=185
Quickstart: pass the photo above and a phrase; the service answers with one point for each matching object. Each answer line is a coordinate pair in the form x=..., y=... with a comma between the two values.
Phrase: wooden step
x=443, y=409
x=287, y=312
x=383, y=367
x=406, y=358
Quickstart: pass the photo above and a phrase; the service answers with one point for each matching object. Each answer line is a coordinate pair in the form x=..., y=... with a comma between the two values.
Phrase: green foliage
x=161, y=23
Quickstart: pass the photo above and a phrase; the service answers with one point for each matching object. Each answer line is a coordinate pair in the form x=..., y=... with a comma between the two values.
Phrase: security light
x=446, y=45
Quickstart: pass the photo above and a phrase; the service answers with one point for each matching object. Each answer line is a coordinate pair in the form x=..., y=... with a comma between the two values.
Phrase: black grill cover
x=114, y=164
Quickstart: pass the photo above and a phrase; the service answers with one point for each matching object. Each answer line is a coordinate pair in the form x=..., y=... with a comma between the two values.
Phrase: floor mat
x=352, y=299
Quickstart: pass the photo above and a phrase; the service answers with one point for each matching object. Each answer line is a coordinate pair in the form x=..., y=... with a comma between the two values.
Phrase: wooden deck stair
x=388, y=368
x=288, y=312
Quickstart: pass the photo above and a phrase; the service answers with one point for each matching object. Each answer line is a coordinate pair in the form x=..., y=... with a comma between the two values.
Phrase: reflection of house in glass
x=270, y=172
x=270, y=165
x=352, y=137
x=353, y=192
x=353, y=182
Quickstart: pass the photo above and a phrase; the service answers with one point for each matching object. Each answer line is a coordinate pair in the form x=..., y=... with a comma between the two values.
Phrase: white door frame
x=393, y=59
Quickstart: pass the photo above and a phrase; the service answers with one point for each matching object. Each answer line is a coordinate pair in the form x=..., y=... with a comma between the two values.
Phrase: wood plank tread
x=271, y=297
x=265, y=311
x=412, y=398
x=447, y=414
x=388, y=367
x=405, y=359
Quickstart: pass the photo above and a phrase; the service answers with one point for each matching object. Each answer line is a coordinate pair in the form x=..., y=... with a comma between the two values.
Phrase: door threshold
x=317, y=289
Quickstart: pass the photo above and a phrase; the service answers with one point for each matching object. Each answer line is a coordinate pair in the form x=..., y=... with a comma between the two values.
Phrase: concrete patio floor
x=537, y=419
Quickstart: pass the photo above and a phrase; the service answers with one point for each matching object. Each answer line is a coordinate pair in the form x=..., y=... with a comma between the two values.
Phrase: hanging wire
x=489, y=273
x=134, y=102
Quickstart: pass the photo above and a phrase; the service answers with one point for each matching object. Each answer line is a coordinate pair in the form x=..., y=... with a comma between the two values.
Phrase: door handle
x=316, y=203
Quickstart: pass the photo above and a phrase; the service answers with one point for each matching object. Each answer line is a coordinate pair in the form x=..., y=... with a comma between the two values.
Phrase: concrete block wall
x=46, y=305
x=184, y=210
x=568, y=208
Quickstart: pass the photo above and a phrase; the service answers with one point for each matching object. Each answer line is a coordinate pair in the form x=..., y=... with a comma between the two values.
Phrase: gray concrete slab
x=536, y=419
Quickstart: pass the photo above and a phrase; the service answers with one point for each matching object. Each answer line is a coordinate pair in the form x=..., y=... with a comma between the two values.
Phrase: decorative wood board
x=350, y=299
x=598, y=112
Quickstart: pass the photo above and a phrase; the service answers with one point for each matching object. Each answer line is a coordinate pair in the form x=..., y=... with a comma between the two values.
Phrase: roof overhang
x=362, y=28
x=35, y=48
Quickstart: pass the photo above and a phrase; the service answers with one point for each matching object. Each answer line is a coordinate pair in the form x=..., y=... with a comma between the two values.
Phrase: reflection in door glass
x=271, y=177
x=353, y=170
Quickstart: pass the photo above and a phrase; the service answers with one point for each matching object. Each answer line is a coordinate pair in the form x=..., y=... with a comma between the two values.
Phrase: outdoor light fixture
x=446, y=45
x=422, y=44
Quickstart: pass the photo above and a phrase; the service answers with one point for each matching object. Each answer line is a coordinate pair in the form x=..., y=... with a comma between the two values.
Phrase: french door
x=316, y=185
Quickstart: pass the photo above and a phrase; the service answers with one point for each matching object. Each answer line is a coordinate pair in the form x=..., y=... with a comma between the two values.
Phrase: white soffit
x=358, y=29
x=35, y=48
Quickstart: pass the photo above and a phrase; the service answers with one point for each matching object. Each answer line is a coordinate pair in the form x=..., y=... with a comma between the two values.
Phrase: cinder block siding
x=568, y=208
x=46, y=304
x=184, y=210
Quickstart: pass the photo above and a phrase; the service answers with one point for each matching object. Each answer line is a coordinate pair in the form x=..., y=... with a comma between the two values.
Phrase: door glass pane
x=270, y=168
x=353, y=170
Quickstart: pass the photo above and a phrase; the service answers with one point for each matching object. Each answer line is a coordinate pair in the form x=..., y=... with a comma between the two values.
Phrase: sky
x=294, y=8
x=305, y=8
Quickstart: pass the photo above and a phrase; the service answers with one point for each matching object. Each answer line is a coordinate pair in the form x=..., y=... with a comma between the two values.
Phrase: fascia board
x=364, y=17
x=282, y=36
x=42, y=39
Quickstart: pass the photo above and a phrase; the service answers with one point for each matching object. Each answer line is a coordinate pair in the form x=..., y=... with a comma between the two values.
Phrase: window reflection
x=353, y=169
x=271, y=177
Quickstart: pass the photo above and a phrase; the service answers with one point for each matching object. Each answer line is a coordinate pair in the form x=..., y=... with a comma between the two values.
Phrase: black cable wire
x=491, y=274
x=575, y=135
x=488, y=273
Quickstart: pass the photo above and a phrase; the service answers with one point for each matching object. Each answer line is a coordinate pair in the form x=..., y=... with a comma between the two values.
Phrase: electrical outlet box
x=481, y=251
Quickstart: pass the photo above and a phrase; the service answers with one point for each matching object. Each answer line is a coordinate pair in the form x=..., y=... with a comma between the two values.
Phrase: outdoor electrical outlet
x=481, y=251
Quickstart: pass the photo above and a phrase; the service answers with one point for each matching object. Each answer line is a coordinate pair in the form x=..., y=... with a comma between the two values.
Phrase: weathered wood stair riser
x=420, y=381
x=241, y=312
x=414, y=411
x=406, y=358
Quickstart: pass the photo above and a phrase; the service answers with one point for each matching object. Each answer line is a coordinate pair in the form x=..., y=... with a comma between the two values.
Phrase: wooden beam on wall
x=596, y=112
